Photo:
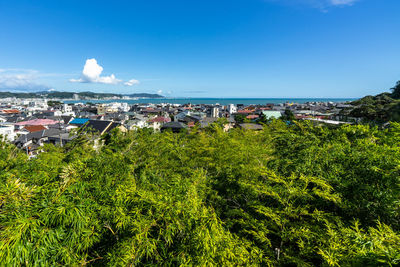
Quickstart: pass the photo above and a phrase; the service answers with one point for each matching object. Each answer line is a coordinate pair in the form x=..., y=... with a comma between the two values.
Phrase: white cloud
x=342, y=2
x=159, y=92
x=131, y=82
x=92, y=74
x=20, y=80
x=320, y=4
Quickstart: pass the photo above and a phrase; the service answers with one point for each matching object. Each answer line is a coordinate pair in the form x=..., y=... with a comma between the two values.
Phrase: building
x=173, y=126
x=101, y=127
x=232, y=109
x=7, y=132
x=67, y=109
x=79, y=121
x=272, y=114
x=157, y=122
x=213, y=112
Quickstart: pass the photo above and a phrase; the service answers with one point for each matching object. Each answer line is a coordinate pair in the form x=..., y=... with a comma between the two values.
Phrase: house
x=181, y=115
x=43, y=122
x=206, y=122
x=62, y=126
x=7, y=132
x=67, y=110
x=33, y=128
x=102, y=127
x=79, y=121
x=13, y=119
x=10, y=111
x=252, y=116
x=136, y=123
x=272, y=114
x=67, y=119
x=157, y=122
x=231, y=108
x=62, y=138
x=189, y=118
x=174, y=126
x=31, y=142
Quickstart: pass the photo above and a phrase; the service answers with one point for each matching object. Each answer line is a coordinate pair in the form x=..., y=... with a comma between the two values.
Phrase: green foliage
x=380, y=108
x=396, y=91
x=241, y=118
x=53, y=103
x=288, y=115
x=288, y=195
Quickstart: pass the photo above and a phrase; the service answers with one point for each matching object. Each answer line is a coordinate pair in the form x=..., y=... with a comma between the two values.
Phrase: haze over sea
x=222, y=101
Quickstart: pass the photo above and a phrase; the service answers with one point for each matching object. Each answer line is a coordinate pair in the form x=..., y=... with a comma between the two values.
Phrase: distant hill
x=381, y=108
x=69, y=95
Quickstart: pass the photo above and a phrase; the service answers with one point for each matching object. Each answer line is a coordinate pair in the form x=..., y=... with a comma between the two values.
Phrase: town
x=31, y=123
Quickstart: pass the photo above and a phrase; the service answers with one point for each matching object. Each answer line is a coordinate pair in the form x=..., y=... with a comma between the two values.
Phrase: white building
x=7, y=132
x=67, y=110
x=215, y=112
x=37, y=105
x=232, y=108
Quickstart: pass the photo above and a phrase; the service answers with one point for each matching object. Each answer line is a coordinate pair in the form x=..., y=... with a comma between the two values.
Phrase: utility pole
x=59, y=128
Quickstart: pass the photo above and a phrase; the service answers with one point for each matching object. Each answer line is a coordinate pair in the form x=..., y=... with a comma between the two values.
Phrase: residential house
x=173, y=126
x=272, y=114
x=7, y=132
x=157, y=122
x=102, y=127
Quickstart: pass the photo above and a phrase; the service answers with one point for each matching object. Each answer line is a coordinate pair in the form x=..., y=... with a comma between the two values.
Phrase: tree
x=288, y=115
x=396, y=91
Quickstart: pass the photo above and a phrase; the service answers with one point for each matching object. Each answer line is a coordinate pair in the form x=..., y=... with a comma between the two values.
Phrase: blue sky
x=202, y=48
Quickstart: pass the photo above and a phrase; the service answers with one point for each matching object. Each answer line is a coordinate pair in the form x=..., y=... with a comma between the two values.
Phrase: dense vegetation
x=381, y=108
x=290, y=195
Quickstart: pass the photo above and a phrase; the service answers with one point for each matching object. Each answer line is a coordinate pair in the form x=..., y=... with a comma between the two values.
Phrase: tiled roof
x=160, y=119
x=245, y=111
x=37, y=122
x=10, y=111
x=252, y=117
x=34, y=128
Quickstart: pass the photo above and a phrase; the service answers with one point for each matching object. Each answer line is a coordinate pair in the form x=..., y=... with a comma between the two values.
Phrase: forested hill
x=289, y=195
x=381, y=108
x=69, y=95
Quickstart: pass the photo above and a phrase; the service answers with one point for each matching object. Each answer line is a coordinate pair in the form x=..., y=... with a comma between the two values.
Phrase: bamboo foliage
x=288, y=195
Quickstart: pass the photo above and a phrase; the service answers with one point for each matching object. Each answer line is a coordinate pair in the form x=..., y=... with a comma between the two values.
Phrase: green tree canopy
x=289, y=195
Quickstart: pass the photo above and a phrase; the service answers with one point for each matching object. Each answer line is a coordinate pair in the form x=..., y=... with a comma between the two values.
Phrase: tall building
x=232, y=108
x=213, y=112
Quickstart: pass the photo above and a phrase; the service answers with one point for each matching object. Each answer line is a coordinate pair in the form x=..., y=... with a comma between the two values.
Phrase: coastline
x=213, y=101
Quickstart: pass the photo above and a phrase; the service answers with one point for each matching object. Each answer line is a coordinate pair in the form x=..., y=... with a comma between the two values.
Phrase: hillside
x=381, y=108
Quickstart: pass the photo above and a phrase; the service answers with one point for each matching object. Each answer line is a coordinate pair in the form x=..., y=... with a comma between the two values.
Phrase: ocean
x=221, y=101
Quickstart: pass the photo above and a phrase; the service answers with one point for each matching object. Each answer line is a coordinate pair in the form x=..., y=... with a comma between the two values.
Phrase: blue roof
x=79, y=121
